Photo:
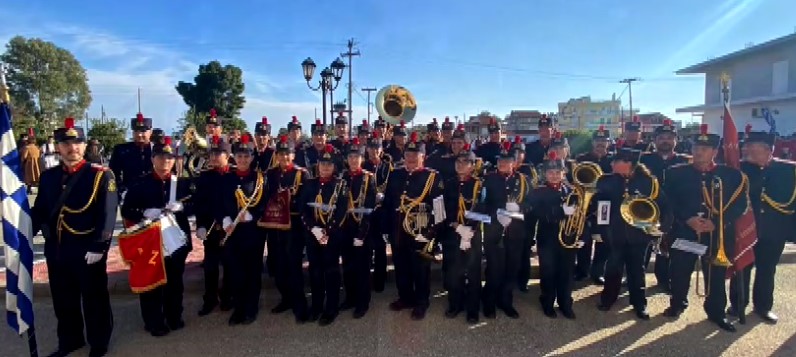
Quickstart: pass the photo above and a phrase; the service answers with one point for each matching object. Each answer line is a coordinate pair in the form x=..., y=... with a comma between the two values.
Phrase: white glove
x=504, y=220
x=596, y=237
x=201, y=233
x=174, y=206
x=421, y=239
x=464, y=231
x=512, y=207
x=358, y=242
x=464, y=244
x=317, y=232
x=152, y=213
x=92, y=258
x=386, y=238
x=246, y=216
x=226, y=223
x=568, y=210
x=379, y=197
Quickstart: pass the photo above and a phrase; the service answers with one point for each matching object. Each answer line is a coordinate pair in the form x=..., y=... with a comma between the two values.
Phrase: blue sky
x=457, y=59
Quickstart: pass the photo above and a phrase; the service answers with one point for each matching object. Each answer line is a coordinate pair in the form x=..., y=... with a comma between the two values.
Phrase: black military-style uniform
x=307, y=157
x=264, y=159
x=325, y=276
x=503, y=244
x=771, y=193
x=396, y=154
x=164, y=303
x=339, y=143
x=684, y=187
x=83, y=223
x=129, y=162
x=463, y=273
x=588, y=264
x=489, y=152
x=244, y=247
x=381, y=175
x=627, y=244
x=639, y=146
x=524, y=275
x=536, y=152
x=407, y=191
x=361, y=193
x=207, y=197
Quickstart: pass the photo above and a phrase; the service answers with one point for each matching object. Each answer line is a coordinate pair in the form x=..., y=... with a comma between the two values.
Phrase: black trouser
x=356, y=268
x=556, y=265
x=529, y=238
x=411, y=271
x=285, y=257
x=625, y=257
x=767, y=254
x=325, y=274
x=244, y=255
x=463, y=277
x=592, y=265
x=661, y=267
x=450, y=245
x=214, y=254
x=80, y=292
x=379, y=247
x=503, y=249
x=682, y=265
x=164, y=303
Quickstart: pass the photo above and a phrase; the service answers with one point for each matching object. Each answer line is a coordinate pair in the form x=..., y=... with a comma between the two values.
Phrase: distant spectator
x=49, y=153
x=31, y=155
x=94, y=152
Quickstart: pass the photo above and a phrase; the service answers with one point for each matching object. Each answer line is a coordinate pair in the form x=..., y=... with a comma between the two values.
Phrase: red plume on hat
x=283, y=139
x=703, y=129
x=413, y=137
x=139, y=118
x=620, y=143
x=167, y=140
x=364, y=122
x=492, y=121
x=517, y=139
x=317, y=122
x=466, y=146
x=748, y=128
x=506, y=145
x=265, y=120
x=403, y=124
x=329, y=148
x=355, y=141
x=244, y=139
x=69, y=123
x=212, y=113
x=460, y=127
x=601, y=128
x=295, y=119
x=376, y=135
x=667, y=122
x=552, y=155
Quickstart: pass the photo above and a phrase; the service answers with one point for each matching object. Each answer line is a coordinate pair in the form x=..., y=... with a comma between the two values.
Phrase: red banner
x=143, y=251
x=277, y=212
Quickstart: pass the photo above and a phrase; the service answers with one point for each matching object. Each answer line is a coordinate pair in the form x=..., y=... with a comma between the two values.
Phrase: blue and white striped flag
x=16, y=232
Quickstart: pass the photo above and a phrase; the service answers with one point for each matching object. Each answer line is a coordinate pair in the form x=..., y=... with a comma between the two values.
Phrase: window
x=779, y=78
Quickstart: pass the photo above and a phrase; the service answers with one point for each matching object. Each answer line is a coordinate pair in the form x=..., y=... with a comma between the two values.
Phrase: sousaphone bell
x=395, y=104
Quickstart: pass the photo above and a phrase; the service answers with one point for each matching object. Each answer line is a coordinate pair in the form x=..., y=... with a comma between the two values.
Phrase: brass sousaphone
x=395, y=104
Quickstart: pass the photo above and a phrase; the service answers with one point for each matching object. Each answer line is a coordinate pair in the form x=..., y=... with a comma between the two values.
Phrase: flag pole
x=5, y=98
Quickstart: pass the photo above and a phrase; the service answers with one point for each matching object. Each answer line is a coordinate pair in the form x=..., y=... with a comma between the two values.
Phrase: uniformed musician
x=560, y=145
x=340, y=140
x=490, y=151
x=627, y=243
x=75, y=209
x=556, y=262
x=588, y=264
x=148, y=198
x=507, y=190
x=308, y=156
x=158, y=136
x=132, y=160
x=433, y=140
x=363, y=132
x=381, y=166
x=380, y=126
x=410, y=193
x=463, y=274
x=772, y=188
x=697, y=192
x=658, y=161
x=537, y=151
x=206, y=199
x=264, y=153
x=524, y=274
x=397, y=145
x=294, y=133
x=213, y=126
x=242, y=201
x=447, y=135
x=285, y=230
x=631, y=138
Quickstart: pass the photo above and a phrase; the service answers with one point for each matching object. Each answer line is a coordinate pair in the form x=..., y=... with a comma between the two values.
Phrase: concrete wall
x=751, y=76
x=742, y=114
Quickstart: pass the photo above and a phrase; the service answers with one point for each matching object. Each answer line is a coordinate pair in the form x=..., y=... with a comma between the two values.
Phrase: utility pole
x=629, y=82
x=350, y=54
x=368, y=90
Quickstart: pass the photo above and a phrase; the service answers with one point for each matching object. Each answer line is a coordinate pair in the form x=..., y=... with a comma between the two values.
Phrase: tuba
x=643, y=213
x=194, y=149
x=585, y=175
x=395, y=104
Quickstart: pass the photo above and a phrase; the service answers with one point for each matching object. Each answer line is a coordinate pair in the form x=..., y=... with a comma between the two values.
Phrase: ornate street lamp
x=330, y=78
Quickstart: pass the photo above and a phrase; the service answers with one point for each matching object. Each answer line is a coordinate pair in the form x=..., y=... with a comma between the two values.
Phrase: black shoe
x=472, y=319
x=511, y=312
x=723, y=324
x=314, y=315
x=346, y=305
x=378, y=285
x=281, y=307
x=175, y=324
x=98, y=351
x=206, y=309
x=642, y=314
x=248, y=319
x=360, y=312
x=158, y=331
x=226, y=306
x=549, y=311
x=236, y=319
x=672, y=312
x=490, y=313
x=65, y=351
x=302, y=318
x=567, y=312
x=768, y=317
x=326, y=319
x=603, y=307
x=418, y=313
x=399, y=305
x=523, y=288
x=579, y=277
x=451, y=313
x=598, y=280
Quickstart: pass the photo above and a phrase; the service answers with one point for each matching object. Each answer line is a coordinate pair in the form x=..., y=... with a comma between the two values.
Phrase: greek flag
x=772, y=123
x=16, y=230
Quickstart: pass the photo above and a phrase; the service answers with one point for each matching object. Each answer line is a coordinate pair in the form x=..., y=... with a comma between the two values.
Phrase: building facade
x=584, y=114
x=477, y=126
x=762, y=87
x=523, y=123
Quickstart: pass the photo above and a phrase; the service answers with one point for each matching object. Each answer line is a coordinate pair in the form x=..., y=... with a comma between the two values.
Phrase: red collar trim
x=76, y=168
x=158, y=177
x=288, y=168
x=223, y=169
x=242, y=173
x=554, y=186
x=324, y=180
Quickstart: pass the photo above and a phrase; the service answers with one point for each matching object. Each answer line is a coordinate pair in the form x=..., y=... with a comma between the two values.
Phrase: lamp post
x=330, y=78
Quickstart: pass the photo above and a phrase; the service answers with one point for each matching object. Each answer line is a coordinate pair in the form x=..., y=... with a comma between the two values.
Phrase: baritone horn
x=585, y=177
x=194, y=149
x=395, y=104
x=641, y=212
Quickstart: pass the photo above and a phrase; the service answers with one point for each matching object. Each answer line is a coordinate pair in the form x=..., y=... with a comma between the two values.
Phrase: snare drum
x=173, y=237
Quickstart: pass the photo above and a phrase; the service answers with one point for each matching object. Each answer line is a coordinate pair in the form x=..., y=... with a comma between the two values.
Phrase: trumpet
x=585, y=175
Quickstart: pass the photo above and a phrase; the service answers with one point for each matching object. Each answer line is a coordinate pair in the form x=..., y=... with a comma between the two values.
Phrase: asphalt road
x=385, y=333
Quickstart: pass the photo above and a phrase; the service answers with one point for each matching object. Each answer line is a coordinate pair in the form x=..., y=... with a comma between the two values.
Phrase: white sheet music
x=689, y=246
x=173, y=189
x=439, y=210
x=603, y=213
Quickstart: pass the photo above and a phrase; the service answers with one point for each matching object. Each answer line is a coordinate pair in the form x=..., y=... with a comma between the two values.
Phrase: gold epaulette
x=655, y=189
x=780, y=206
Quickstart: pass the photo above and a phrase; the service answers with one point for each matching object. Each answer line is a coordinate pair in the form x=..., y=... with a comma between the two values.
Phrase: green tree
x=579, y=141
x=214, y=87
x=109, y=132
x=197, y=120
x=47, y=83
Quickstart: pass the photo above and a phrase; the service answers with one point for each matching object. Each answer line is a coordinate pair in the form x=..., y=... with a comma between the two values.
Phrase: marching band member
x=632, y=138
x=772, y=183
x=433, y=138
x=490, y=151
x=504, y=189
x=697, y=192
x=75, y=209
x=132, y=160
x=308, y=156
x=537, y=150
x=398, y=144
x=410, y=193
x=341, y=133
x=213, y=126
x=586, y=265
x=209, y=231
x=380, y=126
x=524, y=274
x=241, y=202
x=363, y=132
x=294, y=133
x=463, y=275
x=158, y=136
x=628, y=243
x=445, y=160
x=285, y=231
x=161, y=307
x=356, y=242
x=560, y=145
x=658, y=161
x=324, y=220
x=447, y=135
x=380, y=165
x=556, y=262
x=264, y=153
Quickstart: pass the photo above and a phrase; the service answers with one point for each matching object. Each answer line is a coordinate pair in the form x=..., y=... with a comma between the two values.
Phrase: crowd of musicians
x=477, y=211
